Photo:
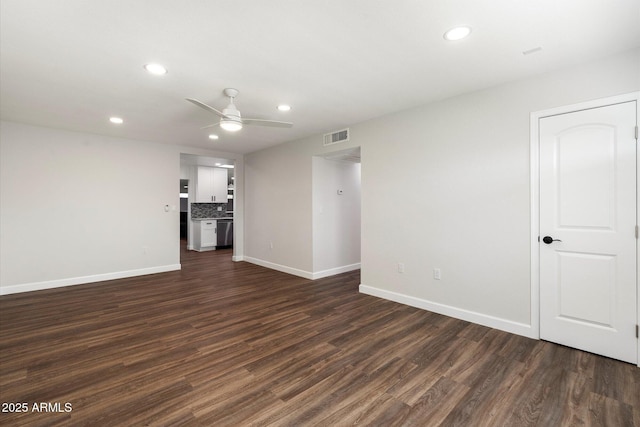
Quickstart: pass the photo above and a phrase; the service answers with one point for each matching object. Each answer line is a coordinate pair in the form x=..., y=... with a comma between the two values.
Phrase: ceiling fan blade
x=206, y=107
x=210, y=126
x=271, y=123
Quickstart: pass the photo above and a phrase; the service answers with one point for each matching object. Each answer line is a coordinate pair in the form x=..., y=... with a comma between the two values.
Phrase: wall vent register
x=336, y=137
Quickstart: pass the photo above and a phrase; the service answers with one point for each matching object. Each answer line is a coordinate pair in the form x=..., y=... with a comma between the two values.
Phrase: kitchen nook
x=209, y=204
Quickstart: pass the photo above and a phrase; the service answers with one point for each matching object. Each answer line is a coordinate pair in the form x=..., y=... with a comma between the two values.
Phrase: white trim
x=334, y=271
x=534, y=282
x=301, y=273
x=278, y=267
x=72, y=281
x=587, y=105
x=638, y=220
x=447, y=310
x=237, y=258
x=535, y=195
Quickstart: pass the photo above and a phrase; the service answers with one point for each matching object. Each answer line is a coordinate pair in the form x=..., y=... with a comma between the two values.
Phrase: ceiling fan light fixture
x=230, y=125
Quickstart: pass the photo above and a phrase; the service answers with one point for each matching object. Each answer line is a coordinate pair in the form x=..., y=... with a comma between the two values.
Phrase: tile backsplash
x=208, y=210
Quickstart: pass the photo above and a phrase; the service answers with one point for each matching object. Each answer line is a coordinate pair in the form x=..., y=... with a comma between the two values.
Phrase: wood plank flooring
x=233, y=344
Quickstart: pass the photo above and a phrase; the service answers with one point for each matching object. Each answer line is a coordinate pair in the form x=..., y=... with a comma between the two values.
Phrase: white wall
x=78, y=208
x=278, y=194
x=336, y=218
x=456, y=173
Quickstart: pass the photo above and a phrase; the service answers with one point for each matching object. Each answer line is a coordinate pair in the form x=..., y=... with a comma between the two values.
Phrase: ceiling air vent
x=336, y=137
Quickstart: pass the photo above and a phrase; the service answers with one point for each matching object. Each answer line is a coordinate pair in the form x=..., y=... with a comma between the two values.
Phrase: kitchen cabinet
x=211, y=185
x=205, y=235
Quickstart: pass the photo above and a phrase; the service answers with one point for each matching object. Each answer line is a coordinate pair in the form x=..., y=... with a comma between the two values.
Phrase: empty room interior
x=319, y=213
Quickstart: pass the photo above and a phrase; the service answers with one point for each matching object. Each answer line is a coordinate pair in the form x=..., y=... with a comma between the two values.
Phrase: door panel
x=586, y=176
x=592, y=277
x=588, y=204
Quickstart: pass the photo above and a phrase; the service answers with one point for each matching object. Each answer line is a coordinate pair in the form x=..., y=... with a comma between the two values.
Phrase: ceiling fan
x=230, y=118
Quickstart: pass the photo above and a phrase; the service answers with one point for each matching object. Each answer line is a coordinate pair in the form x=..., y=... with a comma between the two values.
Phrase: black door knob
x=548, y=240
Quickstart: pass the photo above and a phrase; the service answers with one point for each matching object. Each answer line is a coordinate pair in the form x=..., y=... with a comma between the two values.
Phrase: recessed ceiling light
x=116, y=120
x=457, y=33
x=284, y=107
x=213, y=136
x=156, y=69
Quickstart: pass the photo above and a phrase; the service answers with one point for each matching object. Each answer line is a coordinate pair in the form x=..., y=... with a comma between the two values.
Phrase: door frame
x=534, y=143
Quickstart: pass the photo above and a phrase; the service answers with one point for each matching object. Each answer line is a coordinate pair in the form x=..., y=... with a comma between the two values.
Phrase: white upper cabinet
x=211, y=185
x=220, y=177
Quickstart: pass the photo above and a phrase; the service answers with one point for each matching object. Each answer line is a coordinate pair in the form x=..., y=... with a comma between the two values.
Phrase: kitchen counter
x=210, y=219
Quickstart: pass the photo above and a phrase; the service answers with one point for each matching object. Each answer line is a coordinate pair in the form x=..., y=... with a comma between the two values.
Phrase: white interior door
x=588, y=207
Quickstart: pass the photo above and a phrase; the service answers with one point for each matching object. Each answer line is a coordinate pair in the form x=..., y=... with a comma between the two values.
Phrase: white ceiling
x=72, y=64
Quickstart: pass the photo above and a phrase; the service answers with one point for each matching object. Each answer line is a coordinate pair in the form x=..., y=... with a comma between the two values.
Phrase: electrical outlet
x=401, y=267
x=437, y=274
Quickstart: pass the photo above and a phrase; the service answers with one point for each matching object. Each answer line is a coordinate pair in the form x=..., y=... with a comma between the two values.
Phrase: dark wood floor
x=233, y=344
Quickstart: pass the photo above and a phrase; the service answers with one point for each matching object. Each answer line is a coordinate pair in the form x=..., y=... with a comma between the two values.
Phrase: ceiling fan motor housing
x=232, y=120
x=232, y=113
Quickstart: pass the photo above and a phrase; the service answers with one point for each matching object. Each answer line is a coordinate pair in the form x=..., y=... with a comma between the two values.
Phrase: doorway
x=585, y=241
x=184, y=209
x=336, y=186
x=196, y=208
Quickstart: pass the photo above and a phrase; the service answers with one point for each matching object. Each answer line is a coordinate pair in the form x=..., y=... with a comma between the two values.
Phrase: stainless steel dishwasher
x=225, y=232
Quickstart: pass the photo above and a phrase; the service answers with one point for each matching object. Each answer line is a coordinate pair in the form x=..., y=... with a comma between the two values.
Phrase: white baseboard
x=302, y=273
x=334, y=271
x=458, y=313
x=37, y=286
x=278, y=267
x=237, y=258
